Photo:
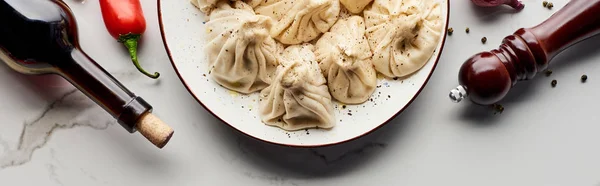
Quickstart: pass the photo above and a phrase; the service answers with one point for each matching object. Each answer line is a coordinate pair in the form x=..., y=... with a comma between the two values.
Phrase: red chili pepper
x=125, y=21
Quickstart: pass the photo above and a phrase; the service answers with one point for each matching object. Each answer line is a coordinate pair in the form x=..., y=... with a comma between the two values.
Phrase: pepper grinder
x=487, y=77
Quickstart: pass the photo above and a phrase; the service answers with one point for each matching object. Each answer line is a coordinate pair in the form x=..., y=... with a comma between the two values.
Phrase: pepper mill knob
x=487, y=77
x=458, y=94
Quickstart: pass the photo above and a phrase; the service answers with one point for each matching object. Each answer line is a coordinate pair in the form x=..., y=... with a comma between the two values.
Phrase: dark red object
x=39, y=41
x=488, y=76
x=516, y=4
x=125, y=21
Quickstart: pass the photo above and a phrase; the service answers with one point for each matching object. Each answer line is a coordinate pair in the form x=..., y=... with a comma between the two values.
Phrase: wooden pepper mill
x=487, y=77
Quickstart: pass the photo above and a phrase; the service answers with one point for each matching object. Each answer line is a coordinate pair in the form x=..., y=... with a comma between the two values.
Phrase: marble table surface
x=52, y=135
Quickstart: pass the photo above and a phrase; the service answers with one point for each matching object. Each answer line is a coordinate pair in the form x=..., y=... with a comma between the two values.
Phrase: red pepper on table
x=125, y=21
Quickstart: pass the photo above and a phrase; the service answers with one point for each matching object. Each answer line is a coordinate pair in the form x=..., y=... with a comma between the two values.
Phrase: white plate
x=182, y=29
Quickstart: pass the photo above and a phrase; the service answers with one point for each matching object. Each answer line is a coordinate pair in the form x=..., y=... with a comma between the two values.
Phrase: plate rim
x=187, y=87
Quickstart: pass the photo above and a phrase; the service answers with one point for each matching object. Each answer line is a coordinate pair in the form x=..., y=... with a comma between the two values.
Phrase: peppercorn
x=548, y=73
x=483, y=40
x=498, y=108
x=584, y=78
x=554, y=82
x=450, y=30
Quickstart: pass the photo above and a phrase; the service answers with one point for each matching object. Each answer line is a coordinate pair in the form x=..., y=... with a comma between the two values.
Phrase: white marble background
x=52, y=135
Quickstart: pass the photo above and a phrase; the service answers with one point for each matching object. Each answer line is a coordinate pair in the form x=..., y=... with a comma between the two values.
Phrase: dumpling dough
x=345, y=58
x=206, y=6
x=299, y=21
x=298, y=98
x=356, y=6
x=403, y=34
x=242, y=56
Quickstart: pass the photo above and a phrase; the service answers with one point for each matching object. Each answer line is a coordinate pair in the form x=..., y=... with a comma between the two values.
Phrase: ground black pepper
x=484, y=40
x=545, y=3
x=584, y=78
x=498, y=108
x=554, y=82
x=468, y=30
x=450, y=31
x=548, y=73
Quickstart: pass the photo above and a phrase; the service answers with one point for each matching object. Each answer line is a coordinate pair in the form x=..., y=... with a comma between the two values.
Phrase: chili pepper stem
x=131, y=42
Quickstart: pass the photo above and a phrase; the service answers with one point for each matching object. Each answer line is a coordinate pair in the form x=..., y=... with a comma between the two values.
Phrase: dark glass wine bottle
x=41, y=37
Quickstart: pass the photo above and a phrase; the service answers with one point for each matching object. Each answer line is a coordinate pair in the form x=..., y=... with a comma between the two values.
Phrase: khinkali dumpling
x=345, y=58
x=298, y=98
x=206, y=6
x=356, y=6
x=299, y=21
x=403, y=34
x=242, y=55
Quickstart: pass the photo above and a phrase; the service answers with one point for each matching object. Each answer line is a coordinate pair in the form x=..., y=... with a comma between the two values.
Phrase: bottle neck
x=95, y=82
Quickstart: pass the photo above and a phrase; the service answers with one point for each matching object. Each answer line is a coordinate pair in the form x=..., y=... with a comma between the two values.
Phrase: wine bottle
x=41, y=37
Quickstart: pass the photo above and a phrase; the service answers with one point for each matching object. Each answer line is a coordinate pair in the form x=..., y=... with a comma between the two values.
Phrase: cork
x=155, y=130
